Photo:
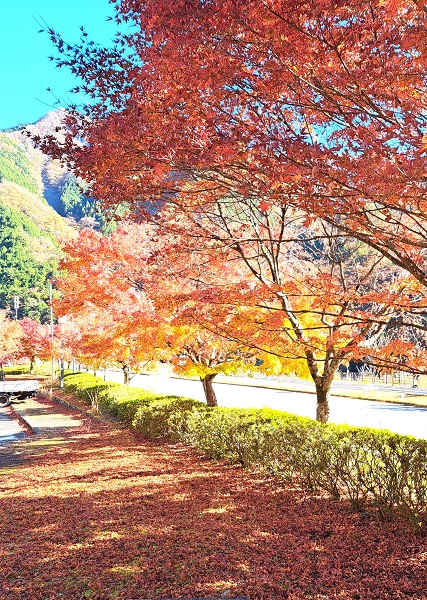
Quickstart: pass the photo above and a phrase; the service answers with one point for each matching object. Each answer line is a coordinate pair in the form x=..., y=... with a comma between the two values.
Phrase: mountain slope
x=41, y=206
x=31, y=231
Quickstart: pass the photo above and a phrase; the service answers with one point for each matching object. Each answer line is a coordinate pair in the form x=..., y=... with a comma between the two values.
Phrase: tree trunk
x=208, y=389
x=31, y=365
x=322, y=406
x=126, y=374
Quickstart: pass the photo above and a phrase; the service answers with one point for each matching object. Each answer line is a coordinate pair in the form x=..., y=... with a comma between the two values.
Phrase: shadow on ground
x=103, y=514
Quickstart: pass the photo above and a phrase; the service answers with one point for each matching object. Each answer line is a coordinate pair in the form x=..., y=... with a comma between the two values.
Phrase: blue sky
x=26, y=71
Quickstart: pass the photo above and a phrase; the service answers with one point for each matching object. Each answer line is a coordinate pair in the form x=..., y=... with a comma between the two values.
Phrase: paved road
x=10, y=430
x=400, y=418
x=43, y=418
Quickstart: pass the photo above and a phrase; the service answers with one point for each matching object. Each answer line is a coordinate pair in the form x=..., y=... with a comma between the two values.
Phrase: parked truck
x=19, y=389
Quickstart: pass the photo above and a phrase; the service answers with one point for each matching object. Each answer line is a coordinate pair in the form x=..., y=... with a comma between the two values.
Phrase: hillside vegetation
x=41, y=206
x=16, y=166
x=31, y=225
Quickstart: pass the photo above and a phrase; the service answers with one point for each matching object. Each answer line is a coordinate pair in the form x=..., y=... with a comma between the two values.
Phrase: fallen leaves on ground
x=101, y=513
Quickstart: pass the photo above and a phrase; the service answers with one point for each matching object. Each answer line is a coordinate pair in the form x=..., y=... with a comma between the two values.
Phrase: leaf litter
x=105, y=514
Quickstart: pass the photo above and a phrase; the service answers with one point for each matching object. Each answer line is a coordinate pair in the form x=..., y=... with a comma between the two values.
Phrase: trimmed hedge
x=153, y=415
x=18, y=370
x=369, y=467
x=42, y=369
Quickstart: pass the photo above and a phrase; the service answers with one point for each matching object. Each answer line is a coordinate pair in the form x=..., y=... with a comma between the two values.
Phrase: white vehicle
x=17, y=390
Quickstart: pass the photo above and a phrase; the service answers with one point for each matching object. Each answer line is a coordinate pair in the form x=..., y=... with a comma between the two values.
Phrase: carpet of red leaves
x=100, y=513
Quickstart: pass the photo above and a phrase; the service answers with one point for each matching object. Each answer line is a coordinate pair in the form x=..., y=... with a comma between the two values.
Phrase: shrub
x=165, y=417
x=228, y=433
x=16, y=370
x=81, y=384
x=363, y=465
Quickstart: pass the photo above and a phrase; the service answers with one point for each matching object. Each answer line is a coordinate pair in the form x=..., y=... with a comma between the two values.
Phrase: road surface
x=10, y=430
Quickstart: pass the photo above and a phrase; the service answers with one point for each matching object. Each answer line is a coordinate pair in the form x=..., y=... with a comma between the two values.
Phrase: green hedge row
x=43, y=369
x=17, y=370
x=368, y=467
x=151, y=414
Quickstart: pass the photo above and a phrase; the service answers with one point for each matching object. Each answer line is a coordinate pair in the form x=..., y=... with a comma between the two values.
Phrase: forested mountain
x=41, y=205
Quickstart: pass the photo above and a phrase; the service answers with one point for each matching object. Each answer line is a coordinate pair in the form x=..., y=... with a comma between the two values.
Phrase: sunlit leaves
x=318, y=104
x=10, y=338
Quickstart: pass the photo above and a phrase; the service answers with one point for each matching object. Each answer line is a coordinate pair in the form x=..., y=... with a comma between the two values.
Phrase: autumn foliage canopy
x=265, y=138
x=321, y=104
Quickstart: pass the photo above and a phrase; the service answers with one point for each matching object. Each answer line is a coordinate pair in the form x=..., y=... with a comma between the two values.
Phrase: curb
x=99, y=418
x=337, y=393
x=28, y=428
x=68, y=405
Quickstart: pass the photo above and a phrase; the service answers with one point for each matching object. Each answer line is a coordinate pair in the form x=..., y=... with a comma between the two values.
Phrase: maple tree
x=10, y=338
x=35, y=341
x=109, y=309
x=318, y=103
x=108, y=288
x=113, y=337
x=272, y=104
x=268, y=292
x=300, y=292
x=194, y=351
